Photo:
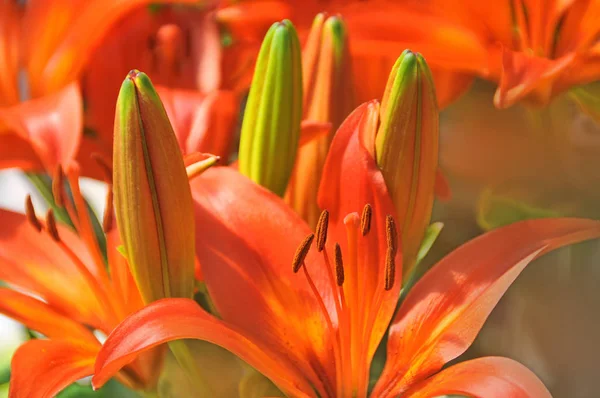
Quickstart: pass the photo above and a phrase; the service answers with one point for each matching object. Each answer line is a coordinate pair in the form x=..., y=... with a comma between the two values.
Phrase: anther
x=339, y=265
x=301, y=252
x=365, y=220
x=322, y=226
x=391, y=234
x=107, y=220
x=51, y=225
x=390, y=269
x=58, y=184
x=30, y=212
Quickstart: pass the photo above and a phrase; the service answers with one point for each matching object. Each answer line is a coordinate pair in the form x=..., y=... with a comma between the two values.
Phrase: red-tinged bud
x=328, y=97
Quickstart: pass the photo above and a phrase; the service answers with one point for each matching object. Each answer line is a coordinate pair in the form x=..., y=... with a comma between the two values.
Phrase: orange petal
x=442, y=40
x=202, y=122
x=245, y=250
x=51, y=125
x=42, y=368
x=181, y=106
x=311, y=130
x=121, y=277
x=444, y=311
x=303, y=186
x=250, y=20
x=213, y=126
x=10, y=18
x=60, y=36
x=442, y=186
x=16, y=151
x=490, y=377
x=450, y=85
x=42, y=318
x=34, y=262
x=351, y=179
x=173, y=319
x=528, y=76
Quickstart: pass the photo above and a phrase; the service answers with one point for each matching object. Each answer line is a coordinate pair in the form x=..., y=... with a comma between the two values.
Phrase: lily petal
x=172, y=319
x=524, y=75
x=213, y=126
x=249, y=20
x=50, y=124
x=33, y=261
x=69, y=31
x=489, y=377
x=16, y=151
x=311, y=130
x=42, y=368
x=246, y=259
x=351, y=179
x=42, y=318
x=445, y=310
x=202, y=122
x=9, y=45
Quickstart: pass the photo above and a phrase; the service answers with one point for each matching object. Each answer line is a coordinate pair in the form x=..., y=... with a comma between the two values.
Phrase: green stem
x=188, y=363
x=43, y=185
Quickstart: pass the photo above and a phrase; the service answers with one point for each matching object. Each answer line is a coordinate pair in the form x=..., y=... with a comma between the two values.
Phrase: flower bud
x=328, y=97
x=153, y=201
x=271, y=125
x=406, y=148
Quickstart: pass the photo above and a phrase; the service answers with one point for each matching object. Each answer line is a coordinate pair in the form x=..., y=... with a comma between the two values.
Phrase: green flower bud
x=271, y=125
x=406, y=147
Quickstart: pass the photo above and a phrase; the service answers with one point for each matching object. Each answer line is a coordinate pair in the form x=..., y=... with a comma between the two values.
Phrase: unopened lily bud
x=406, y=148
x=153, y=202
x=271, y=125
x=328, y=97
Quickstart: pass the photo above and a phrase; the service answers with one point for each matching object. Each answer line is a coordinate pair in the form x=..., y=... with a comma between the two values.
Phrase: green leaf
x=431, y=235
x=495, y=211
x=588, y=99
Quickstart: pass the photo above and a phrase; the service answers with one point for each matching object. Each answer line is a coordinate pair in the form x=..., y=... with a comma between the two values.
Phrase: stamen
x=391, y=234
x=365, y=220
x=104, y=165
x=107, y=220
x=30, y=212
x=301, y=252
x=339, y=265
x=58, y=184
x=197, y=167
x=51, y=225
x=390, y=269
x=322, y=226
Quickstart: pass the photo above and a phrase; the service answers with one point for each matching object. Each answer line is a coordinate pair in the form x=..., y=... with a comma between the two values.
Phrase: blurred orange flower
x=533, y=49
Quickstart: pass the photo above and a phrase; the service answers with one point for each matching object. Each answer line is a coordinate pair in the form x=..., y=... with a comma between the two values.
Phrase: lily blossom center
x=356, y=301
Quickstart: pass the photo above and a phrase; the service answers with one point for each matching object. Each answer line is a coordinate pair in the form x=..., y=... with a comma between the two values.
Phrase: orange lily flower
x=44, y=47
x=533, y=49
x=180, y=49
x=59, y=286
x=313, y=327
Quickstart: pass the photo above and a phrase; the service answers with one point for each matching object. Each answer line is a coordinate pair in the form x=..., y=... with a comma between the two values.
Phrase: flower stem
x=188, y=363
